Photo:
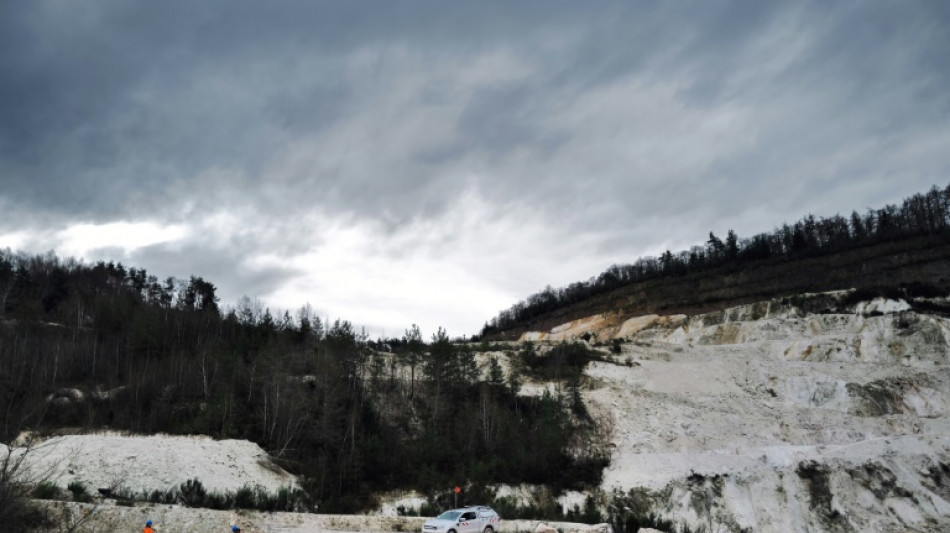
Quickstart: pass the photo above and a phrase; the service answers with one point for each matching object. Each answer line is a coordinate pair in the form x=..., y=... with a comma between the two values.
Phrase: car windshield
x=449, y=515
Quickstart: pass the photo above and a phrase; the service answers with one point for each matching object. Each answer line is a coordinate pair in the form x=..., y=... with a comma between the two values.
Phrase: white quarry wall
x=765, y=417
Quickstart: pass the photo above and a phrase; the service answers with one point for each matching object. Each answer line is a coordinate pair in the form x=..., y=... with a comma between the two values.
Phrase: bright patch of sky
x=81, y=239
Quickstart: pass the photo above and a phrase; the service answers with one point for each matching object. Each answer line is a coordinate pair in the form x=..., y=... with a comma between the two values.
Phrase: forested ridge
x=104, y=346
x=923, y=218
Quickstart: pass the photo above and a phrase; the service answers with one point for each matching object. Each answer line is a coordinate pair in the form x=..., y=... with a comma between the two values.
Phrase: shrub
x=46, y=490
x=564, y=361
x=629, y=512
x=77, y=488
x=213, y=500
x=245, y=498
x=123, y=494
x=17, y=513
x=192, y=493
x=167, y=497
x=408, y=511
x=544, y=507
x=301, y=501
x=79, y=492
x=428, y=509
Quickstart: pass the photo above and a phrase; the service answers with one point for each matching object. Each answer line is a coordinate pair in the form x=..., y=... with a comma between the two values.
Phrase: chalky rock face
x=787, y=415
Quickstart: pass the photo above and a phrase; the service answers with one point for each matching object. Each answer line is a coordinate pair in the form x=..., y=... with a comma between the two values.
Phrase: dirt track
x=173, y=519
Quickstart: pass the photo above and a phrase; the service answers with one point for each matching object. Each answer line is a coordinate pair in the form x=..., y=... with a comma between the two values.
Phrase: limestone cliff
x=773, y=418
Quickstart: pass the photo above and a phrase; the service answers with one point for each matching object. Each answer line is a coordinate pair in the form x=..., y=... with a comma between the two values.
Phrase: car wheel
x=488, y=530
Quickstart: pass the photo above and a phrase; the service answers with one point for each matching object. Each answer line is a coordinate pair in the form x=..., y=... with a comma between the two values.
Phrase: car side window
x=468, y=516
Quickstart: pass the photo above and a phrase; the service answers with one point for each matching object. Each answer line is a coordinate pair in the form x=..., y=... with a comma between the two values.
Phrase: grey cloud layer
x=615, y=118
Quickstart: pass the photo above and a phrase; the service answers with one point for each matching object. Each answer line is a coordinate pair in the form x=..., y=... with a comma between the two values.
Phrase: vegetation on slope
x=102, y=346
x=812, y=254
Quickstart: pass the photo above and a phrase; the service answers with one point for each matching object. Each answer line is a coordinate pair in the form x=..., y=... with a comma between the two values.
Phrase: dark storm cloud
x=103, y=105
x=633, y=125
x=105, y=101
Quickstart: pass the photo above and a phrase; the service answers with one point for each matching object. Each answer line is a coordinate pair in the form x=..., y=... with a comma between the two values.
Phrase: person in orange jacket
x=148, y=527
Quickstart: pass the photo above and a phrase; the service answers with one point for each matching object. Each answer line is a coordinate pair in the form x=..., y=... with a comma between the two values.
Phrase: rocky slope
x=769, y=418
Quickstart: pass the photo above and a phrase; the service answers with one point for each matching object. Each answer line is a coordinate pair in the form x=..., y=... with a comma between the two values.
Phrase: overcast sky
x=393, y=163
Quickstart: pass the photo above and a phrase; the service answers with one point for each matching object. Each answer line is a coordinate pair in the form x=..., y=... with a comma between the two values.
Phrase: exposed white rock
x=881, y=305
x=391, y=503
x=576, y=329
x=160, y=462
x=766, y=417
x=636, y=325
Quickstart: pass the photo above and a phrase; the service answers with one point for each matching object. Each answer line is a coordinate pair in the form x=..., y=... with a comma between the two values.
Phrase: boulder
x=544, y=528
x=66, y=396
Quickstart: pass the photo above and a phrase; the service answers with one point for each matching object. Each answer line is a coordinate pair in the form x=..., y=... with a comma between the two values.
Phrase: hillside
x=890, y=247
x=880, y=266
x=772, y=418
x=822, y=412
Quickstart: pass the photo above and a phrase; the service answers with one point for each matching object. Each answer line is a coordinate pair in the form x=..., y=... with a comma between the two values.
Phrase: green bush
x=545, y=507
x=166, y=497
x=245, y=498
x=47, y=490
x=428, y=509
x=79, y=491
x=214, y=500
x=192, y=493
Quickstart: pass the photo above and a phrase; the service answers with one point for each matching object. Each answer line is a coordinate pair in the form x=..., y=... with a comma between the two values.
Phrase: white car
x=475, y=519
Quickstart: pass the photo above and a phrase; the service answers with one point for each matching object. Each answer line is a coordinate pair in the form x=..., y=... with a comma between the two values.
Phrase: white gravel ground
x=157, y=462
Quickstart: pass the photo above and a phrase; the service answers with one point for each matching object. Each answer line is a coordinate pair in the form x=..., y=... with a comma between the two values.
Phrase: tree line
x=925, y=214
x=105, y=346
